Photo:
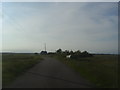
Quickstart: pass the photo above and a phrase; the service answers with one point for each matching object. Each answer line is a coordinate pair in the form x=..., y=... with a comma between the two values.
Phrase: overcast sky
x=73, y=26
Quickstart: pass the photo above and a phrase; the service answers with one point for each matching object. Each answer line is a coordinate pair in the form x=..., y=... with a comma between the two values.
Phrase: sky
x=60, y=0
x=84, y=26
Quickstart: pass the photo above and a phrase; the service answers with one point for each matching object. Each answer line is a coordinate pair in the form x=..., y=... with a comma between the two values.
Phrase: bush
x=43, y=52
x=78, y=54
x=86, y=54
x=59, y=51
x=36, y=53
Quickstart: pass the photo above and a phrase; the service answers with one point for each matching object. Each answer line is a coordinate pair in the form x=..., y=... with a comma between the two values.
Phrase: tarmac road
x=50, y=73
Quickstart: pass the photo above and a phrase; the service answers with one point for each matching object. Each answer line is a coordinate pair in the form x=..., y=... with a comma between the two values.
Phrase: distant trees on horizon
x=75, y=55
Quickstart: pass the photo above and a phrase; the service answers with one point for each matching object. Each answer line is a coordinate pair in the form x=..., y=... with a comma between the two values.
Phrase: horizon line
x=1, y=52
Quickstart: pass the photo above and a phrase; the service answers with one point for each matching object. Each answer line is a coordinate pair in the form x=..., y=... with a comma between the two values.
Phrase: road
x=50, y=73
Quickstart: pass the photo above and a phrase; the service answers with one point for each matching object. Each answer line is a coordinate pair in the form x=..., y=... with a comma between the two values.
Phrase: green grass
x=14, y=65
x=100, y=69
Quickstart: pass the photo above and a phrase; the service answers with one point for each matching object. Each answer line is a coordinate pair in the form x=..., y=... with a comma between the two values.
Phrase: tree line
x=74, y=55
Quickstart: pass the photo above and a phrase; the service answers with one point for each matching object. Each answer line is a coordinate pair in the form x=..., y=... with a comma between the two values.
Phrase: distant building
x=43, y=52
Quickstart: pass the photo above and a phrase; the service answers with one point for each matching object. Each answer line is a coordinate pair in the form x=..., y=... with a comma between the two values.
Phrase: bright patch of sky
x=89, y=26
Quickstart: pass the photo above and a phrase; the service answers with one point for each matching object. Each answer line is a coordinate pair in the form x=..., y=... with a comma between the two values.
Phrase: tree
x=71, y=52
x=78, y=52
x=43, y=52
x=59, y=51
x=36, y=53
x=66, y=52
x=86, y=54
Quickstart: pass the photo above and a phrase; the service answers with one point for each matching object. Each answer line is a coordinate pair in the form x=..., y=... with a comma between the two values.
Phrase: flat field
x=100, y=69
x=14, y=64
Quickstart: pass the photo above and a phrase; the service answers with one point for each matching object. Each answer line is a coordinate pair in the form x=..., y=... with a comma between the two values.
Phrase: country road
x=50, y=73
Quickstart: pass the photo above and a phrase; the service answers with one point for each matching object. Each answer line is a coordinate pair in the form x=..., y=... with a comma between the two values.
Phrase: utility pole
x=45, y=46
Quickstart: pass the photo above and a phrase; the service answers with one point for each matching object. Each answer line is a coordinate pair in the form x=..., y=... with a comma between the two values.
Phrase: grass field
x=14, y=65
x=101, y=70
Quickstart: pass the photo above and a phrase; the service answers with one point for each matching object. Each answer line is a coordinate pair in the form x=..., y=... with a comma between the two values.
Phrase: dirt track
x=50, y=73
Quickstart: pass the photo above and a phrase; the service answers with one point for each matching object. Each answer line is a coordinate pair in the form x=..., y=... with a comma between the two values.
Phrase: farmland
x=100, y=69
x=14, y=65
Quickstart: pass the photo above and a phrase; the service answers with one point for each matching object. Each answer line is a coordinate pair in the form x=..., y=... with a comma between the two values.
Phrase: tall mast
x=45, y=46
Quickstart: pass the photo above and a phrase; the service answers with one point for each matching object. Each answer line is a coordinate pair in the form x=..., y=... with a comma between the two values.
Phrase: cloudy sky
x=90, y=26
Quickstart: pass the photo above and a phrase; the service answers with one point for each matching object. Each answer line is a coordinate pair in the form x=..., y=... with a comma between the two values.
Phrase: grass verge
x=14, y=65
x=102, y=70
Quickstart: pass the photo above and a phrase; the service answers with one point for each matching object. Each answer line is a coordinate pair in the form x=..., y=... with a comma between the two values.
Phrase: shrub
x=78, y=54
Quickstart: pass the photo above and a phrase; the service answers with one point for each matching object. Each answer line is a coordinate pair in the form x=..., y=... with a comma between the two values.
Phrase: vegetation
x=43, y=52
x=102, y=70
x=74, y=55
x=14, y=65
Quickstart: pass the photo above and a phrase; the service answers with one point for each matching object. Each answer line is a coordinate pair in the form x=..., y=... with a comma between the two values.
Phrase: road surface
x=50, y=73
